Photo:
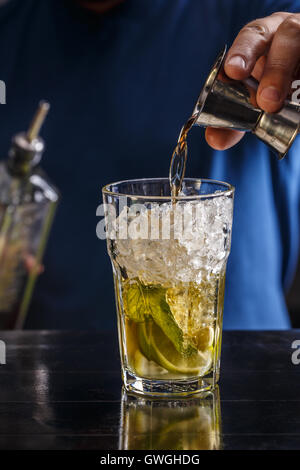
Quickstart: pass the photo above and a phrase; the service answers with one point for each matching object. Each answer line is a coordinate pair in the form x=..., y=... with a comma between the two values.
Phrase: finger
x=282, y=62
x=259, y=67
x=222, y=139
x=251, y=43
x=32, y=266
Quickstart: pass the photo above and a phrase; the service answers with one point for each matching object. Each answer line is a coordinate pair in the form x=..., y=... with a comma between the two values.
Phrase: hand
x=269, y=50
x=31, y=265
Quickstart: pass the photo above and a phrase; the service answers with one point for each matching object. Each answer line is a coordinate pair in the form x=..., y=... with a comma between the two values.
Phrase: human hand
x=31, y=265
x=269, y=50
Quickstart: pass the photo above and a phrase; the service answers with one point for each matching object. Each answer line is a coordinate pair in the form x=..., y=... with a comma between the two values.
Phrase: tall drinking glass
x=169, y=260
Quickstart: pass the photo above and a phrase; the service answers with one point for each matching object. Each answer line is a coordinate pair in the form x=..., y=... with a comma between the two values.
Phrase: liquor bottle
x=27, y=206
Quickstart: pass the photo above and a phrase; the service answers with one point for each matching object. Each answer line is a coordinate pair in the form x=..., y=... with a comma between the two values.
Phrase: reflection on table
x=168, y=424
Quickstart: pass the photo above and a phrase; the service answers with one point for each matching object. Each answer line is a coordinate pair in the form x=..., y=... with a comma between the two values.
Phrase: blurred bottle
x=185, y=424
x=27, y=205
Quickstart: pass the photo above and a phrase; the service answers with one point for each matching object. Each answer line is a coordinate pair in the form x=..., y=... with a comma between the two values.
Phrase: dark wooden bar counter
x=62, y=390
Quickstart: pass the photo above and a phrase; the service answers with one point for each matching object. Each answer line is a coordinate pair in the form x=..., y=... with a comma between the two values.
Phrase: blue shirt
x=120, y=87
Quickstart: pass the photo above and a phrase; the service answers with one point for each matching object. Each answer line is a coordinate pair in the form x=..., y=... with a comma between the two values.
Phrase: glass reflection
x=168, y=424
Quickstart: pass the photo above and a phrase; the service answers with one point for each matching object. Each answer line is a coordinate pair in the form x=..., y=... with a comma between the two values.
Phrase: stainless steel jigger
x=231, y=104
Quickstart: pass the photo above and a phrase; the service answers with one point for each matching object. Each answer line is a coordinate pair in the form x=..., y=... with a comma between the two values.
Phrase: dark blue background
x=121, y=87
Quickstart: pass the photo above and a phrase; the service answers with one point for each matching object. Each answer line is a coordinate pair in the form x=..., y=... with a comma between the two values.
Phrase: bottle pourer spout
x=38, y=121
x=27, y=147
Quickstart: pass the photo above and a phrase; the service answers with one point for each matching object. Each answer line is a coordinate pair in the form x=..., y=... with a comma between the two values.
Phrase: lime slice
x=144, y=338
x=157, y=347
x=145, y=368
x=134, y=301
x=204, y=338
x=164, y=319
x=143, y=302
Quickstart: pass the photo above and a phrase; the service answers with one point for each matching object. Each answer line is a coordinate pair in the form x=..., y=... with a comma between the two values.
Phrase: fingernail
x=237, y=61
x=270, y=93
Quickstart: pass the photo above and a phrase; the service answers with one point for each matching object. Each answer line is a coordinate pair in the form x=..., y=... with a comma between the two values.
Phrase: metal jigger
x=231, y=104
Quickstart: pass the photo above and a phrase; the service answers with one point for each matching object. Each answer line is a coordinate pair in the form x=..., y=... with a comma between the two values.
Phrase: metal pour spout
x=38, y=121
x=27, y=147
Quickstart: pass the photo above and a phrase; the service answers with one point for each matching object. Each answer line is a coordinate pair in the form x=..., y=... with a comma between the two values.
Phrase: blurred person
x=122, y=77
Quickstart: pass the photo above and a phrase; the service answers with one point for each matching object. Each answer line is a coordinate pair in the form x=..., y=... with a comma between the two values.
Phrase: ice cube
x=190, y=237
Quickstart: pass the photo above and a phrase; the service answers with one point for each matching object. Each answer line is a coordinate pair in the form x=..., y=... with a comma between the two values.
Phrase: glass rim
x=227, y=192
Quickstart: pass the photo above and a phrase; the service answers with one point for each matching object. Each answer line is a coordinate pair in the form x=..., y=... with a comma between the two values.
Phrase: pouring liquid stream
x=179, y=158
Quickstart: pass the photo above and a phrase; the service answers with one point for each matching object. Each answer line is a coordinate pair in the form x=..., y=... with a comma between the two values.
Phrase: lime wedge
x=134, y=301
x=143, y=302
x=204, y=338
x=145, y=368
x=158, y=347
x=144, y=338
x=164, y=319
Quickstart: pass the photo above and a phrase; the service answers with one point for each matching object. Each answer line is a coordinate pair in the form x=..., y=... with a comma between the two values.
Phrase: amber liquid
x=172, y=332
x=179, y=158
